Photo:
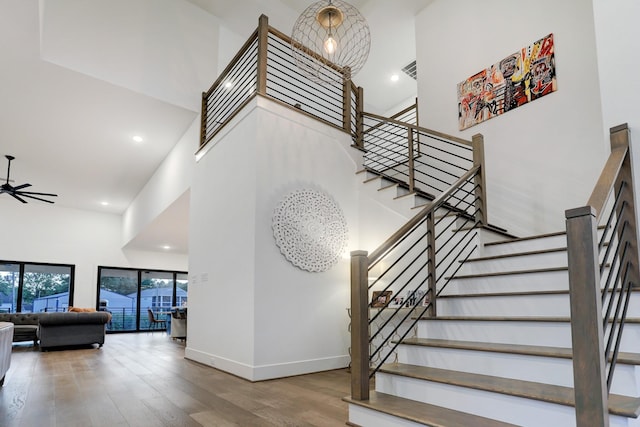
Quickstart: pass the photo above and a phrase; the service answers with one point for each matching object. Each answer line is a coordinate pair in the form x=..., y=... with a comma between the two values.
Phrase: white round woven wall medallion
x=310, y=229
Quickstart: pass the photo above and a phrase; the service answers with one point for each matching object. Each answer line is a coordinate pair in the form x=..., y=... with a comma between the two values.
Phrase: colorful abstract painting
x=516, y=80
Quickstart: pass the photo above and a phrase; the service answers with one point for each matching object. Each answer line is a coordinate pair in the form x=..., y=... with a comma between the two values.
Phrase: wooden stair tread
x=508, y=273
x=518, y=293
x=423, y=413
x=521, y=239
x=529, y=350
x=500, y=318
x=516, y=254
x=504, y=294
x=513, y=318
x=619, y=405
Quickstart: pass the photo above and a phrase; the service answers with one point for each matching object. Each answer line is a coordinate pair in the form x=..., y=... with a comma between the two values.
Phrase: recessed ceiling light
x=166, y=247
x=137, y=138
x=395, y=77
x=104, y=203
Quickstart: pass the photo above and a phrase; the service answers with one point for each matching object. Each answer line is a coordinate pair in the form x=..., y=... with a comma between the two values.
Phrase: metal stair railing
x=420, y=159
x=417, y=261
x=602, y=273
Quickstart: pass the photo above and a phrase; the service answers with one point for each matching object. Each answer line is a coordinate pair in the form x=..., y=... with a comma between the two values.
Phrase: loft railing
x=423, y=160
x=265, y=66
x=602, y=272
x=415, y=264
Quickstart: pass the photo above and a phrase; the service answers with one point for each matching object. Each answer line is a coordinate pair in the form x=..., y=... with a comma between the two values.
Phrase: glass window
x=35, y=287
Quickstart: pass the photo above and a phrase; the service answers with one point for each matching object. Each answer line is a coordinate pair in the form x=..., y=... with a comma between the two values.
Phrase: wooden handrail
x=609, y=173
x=418, y=128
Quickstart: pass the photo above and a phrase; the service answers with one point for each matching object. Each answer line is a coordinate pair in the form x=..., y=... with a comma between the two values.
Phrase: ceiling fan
x=17, y=193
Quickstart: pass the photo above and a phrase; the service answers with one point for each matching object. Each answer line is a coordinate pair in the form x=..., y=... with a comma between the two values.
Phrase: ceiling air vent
x=410, y=70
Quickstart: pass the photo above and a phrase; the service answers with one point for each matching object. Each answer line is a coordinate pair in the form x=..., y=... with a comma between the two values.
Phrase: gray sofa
x=65, y=329
x=58, y=329
x=25, y=325
x=6, y=338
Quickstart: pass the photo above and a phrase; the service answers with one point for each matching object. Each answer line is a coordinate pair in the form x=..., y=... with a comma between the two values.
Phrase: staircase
x=499, y=350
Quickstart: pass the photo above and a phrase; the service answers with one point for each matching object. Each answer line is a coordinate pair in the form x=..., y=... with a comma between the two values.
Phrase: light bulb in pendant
x=330, y=45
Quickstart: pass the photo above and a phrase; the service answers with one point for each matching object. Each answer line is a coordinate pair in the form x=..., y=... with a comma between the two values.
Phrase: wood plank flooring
x=143, y=380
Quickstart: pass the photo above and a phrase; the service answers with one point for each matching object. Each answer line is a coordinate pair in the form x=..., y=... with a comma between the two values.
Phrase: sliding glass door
x=118, y=294
x=134, y=297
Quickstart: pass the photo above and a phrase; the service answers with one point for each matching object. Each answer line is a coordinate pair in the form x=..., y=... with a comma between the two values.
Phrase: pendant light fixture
x=330, y=41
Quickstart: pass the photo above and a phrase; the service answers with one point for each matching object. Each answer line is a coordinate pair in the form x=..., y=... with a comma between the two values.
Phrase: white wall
x=266, y=318
x=543, y=157
x=172, y=178
x=161, y=48
x=221, y=255
x=54, y=234
x=617, y=35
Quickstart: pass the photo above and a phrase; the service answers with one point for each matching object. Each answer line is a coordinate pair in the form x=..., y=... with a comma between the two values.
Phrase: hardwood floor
x=143, y=380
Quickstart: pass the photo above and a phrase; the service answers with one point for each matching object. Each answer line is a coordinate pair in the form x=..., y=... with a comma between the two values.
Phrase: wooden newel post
x=477, y=142
x=411, y=164
x=346, y=104
x=590, y=385
x=263, y=40
x=359, y=326
x=360, y=118
x=203, y=119
x=432, y=311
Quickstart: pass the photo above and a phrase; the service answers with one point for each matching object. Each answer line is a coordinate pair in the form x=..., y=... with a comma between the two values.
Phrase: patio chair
x=154, y=323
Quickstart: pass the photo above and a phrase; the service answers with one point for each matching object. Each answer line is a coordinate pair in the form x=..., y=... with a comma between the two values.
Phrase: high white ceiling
x=80, y=79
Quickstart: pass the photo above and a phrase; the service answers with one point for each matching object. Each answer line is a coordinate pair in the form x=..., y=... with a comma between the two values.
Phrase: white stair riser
x=523, y=412
x=549, y=370
x=394, y=197
x=544, y=243
x=541, y=281
x=513, y=305
x=553, y=334
x=516, y=410
x=555, y=305
x=366, y=417
x=516, y=263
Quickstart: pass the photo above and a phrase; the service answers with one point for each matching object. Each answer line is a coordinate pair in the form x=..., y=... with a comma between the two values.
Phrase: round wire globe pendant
x=330, y=41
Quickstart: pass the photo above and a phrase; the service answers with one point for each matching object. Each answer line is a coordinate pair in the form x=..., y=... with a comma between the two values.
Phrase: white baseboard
x=267, y=372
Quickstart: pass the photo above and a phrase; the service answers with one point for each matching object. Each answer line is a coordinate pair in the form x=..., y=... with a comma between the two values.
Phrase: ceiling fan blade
x=25, y=193
x=17, y=197
x=34, y=197
x=22, y=186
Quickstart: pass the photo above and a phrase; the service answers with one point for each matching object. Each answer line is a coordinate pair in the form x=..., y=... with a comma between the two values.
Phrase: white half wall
x=541, y=158
x=257, y=315
x=55, y=234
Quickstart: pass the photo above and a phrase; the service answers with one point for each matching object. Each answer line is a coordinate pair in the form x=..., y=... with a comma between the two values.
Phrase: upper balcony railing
x=265, y=66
